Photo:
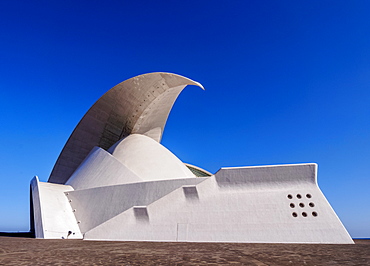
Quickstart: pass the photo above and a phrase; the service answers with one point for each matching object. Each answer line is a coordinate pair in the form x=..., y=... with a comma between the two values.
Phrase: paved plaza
x=28, y=251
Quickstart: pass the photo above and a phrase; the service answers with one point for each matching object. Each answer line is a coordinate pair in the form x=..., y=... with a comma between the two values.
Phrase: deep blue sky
x=286, y=82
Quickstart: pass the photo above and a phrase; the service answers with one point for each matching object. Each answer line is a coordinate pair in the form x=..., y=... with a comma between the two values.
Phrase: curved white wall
x=148, y=159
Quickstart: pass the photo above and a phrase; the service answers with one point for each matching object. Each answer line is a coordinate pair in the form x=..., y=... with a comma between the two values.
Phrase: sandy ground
x=28, y=251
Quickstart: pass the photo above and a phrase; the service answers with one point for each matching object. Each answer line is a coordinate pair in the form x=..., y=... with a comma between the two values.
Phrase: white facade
x=115, y=181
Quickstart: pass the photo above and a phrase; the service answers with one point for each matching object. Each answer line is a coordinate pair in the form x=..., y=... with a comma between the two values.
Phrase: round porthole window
x=294, y=214
x=292, y=205
x=314, y=214
x=290, y=196
x=299, y=196
x=304, y=214
x=308, y=196
x=311, y=204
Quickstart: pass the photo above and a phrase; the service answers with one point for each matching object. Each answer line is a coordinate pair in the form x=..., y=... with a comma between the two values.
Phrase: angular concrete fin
x=101, y=169
x=53, y=215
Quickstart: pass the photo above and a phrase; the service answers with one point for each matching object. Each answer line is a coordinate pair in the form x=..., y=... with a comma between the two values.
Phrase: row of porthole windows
x=304, y=214
x=299, y=196
x=311, y=204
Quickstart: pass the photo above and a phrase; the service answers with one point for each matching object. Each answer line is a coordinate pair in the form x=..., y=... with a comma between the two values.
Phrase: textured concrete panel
x=52, y=212
x=97, y=205
x=137, y=105
x=235, y=214
x=265, y=177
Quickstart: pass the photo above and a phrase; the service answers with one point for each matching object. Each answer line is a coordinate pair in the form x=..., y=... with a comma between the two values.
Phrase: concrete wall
x=132, y=159
x=97, y=205
x=148, y=159
x=100, y=169
x=52, y=212
x=212, y=211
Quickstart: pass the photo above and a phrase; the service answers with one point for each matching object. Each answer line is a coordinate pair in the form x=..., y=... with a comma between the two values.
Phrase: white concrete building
x=114, y=181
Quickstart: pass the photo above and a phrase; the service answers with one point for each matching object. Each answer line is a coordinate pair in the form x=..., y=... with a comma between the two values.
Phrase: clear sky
x=286, y=82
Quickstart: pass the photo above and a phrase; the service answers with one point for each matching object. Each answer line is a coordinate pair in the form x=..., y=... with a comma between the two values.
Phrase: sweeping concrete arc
x=138, y=105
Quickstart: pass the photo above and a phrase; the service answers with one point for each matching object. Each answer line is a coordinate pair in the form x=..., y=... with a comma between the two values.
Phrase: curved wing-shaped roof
x=138, y=105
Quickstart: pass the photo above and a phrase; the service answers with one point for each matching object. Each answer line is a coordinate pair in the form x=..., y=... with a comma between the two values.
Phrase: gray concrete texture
x=137, y=105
